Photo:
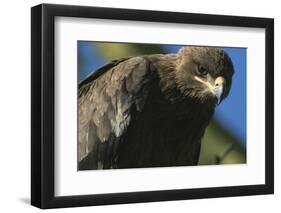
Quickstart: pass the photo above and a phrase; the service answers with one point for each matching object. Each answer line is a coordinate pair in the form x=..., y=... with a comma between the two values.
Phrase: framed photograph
x=139, y=106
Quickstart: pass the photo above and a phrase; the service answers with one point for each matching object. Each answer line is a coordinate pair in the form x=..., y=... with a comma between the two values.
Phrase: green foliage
x=215, y=142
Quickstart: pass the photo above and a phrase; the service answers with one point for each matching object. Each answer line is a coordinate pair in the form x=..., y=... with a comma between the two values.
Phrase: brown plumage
x=150, y=110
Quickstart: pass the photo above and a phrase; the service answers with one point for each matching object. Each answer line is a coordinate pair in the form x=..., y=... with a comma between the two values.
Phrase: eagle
x=150, y=110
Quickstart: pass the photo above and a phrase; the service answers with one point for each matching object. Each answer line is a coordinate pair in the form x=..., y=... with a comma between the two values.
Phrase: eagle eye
x=201, y=69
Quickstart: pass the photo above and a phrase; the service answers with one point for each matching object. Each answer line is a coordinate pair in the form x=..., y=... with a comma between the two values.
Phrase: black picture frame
x=43, y=117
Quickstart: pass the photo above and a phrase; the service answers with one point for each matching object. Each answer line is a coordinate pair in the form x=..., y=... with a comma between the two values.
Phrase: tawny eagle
x=150, y=110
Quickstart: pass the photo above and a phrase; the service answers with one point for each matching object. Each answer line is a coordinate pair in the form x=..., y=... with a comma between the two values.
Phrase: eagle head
x=204, y=74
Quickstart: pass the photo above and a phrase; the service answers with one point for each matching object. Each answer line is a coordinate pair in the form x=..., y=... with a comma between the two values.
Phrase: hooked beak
x=218, y=92
x=218, y=89
x=215, y=86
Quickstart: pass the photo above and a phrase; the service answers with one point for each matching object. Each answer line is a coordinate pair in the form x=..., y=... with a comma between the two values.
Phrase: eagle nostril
x=219, y=81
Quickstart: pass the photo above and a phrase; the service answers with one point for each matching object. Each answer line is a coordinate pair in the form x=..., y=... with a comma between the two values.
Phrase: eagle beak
x=218, y=89
x=215, y=86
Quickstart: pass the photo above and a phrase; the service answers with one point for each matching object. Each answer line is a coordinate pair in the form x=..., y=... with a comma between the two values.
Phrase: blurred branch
x=219, y=158
x=217, y=140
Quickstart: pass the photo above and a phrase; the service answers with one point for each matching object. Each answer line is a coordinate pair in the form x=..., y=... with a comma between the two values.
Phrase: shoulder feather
x=106, y=100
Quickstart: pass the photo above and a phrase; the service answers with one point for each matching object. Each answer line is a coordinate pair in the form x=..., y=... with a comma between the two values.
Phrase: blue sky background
x=231, y=113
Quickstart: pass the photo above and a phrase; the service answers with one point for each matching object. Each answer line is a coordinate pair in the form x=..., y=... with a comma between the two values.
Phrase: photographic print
x=159, y=105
